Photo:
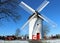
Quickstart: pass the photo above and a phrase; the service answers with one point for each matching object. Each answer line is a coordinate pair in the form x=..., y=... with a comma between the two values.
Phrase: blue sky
x=52, y=11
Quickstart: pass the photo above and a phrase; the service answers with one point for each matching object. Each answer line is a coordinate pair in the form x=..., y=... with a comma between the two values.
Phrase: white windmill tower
x=35, y=21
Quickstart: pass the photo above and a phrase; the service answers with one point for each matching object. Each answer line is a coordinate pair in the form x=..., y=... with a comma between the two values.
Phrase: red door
x=38, y=36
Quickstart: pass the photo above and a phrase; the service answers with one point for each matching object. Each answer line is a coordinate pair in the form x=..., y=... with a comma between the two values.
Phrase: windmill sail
x=28, y=21
x=27, y=8
x=47, y=20
x=43, y=5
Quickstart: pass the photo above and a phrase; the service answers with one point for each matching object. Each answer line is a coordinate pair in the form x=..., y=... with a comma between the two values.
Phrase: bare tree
x=17, y=32
x=7, y=7
x=45, y=30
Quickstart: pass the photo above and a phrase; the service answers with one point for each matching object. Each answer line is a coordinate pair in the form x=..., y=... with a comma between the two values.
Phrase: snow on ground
x=20, y=41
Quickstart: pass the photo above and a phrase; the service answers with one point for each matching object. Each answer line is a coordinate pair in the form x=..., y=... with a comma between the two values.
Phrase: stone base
x=35, y=41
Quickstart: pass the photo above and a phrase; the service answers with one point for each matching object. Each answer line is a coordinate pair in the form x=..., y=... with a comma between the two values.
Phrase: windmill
x=36, y=20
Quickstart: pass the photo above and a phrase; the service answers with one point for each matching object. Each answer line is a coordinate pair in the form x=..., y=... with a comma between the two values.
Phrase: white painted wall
x=38, y=28
x=31, y=25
